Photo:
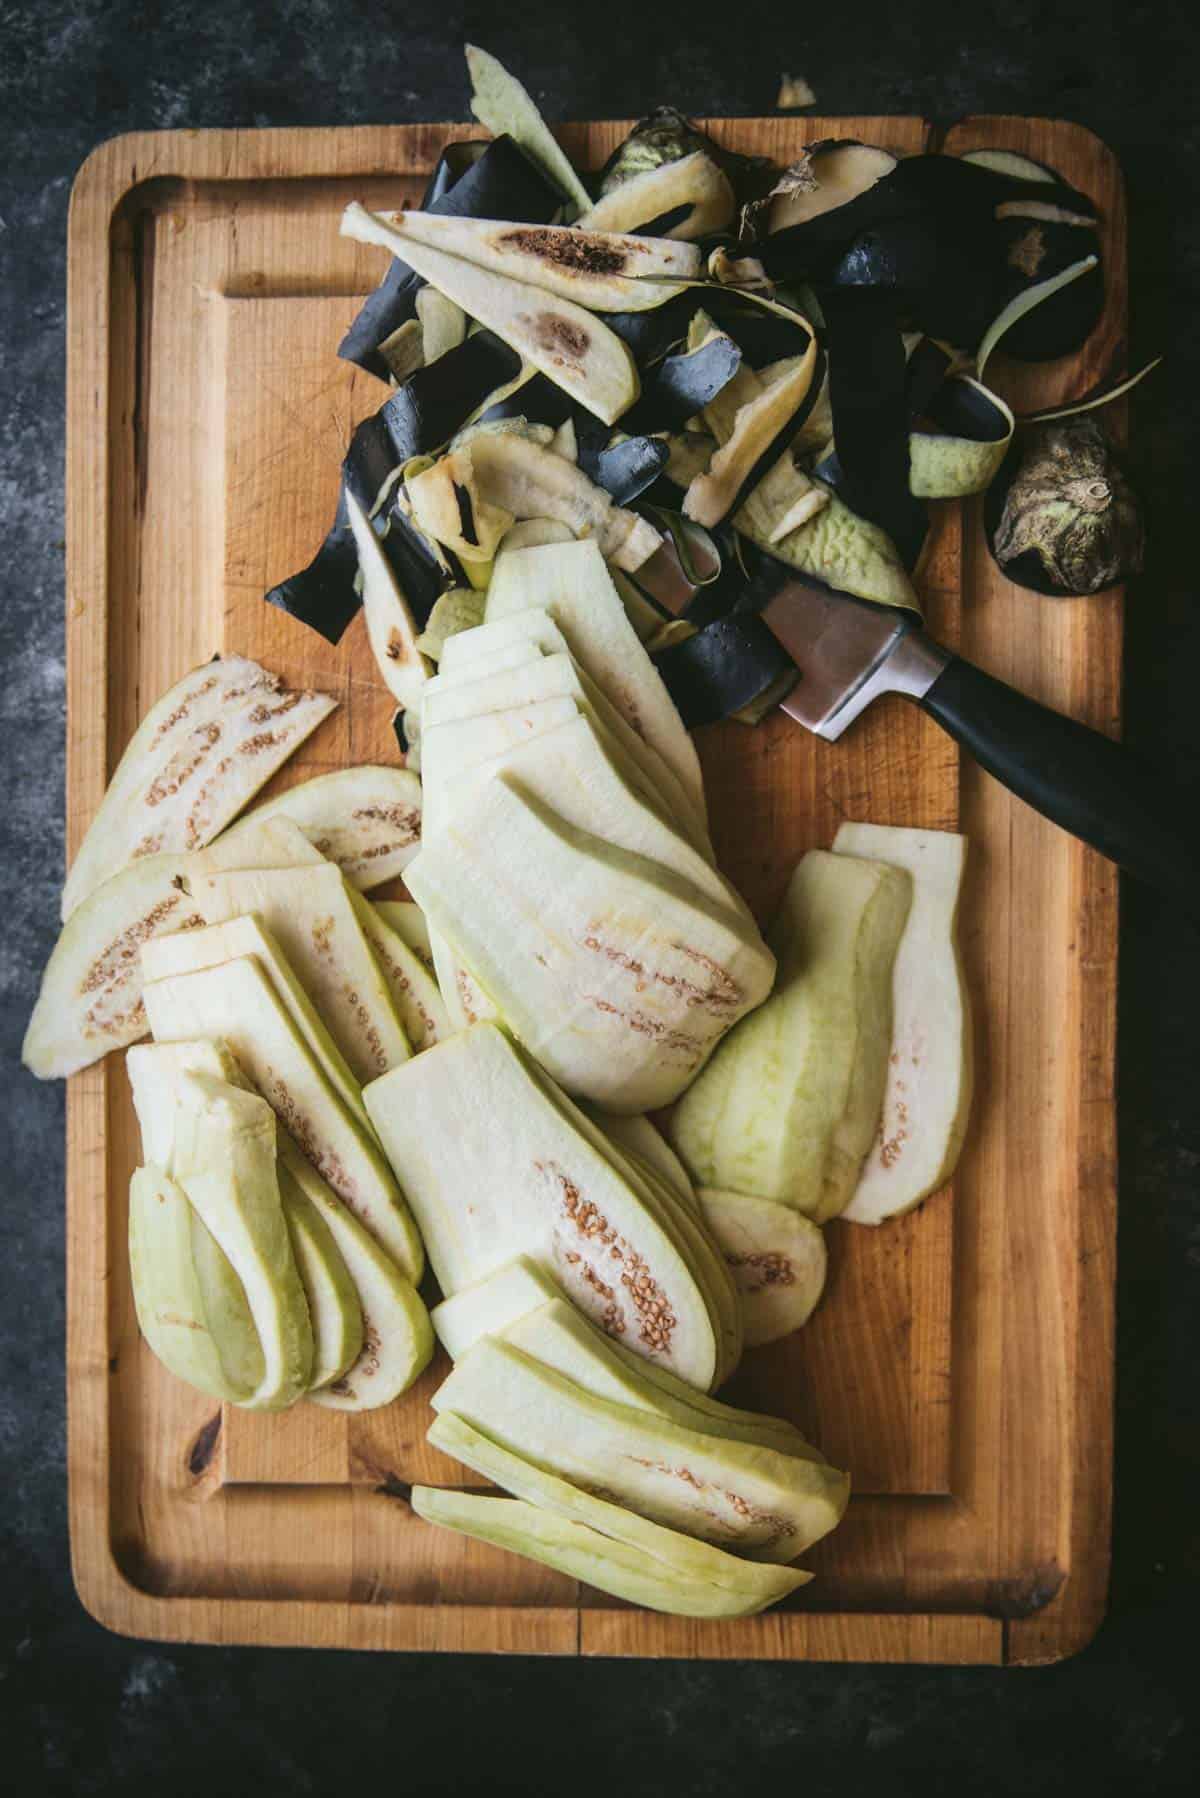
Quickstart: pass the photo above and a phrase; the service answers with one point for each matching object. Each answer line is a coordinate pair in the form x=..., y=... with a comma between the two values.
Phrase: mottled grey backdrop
x=82, y=1712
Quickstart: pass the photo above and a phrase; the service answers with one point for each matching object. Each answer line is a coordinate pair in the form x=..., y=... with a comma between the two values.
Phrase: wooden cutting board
x=961, y=1363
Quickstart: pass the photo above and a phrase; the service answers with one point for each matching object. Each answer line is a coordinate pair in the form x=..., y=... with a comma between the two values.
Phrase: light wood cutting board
x=961, y=1363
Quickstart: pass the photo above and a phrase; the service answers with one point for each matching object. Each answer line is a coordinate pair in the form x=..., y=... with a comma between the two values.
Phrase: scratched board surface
x=959, y=1365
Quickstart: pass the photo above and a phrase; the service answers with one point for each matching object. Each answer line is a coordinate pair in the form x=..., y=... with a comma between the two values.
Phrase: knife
x=849, y=651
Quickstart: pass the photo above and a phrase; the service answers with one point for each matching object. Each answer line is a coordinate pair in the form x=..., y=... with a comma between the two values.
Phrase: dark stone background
x=83, y=1712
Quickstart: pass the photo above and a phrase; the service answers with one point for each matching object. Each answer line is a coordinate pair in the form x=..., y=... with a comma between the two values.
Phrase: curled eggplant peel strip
x=419, y=417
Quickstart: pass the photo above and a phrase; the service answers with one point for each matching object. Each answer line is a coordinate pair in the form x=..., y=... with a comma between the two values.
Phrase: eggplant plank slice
x=367, y=820
x=200, y=755
x=558, y=337
x=90, y=999
x=606, y=271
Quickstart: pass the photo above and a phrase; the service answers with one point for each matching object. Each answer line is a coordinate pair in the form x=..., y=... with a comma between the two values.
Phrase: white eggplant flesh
x=604, y=271
x=789, y=1106
x=90, y=998
x=694, y=181
x=366, y=819
x=497, y=1167
x=527, y=479
x=571, y=582
x=391, y=628
x=499, y=101
x=927, y=1100
x=620, y=977
x=196, y=759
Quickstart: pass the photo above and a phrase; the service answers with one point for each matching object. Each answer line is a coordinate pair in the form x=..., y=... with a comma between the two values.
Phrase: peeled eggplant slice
x=197, y=758
x=605, y=271
x=471, y=181
x=366, y=819
x=642, y=976
x=397, y=1336
x=564, y=341
x=693, y=181
x=236, y=1003
x=754, y=1500
x=498, y=1169
x=333, y=1308
x=684, y=1566
x=927, y=1100
x=777, y=1257
x=151, y=1066
x=500, y=102
x=390, y=626
x=582, y=1552
x=191, y=1306
x=570, y=581
x=310, y=913
x=224, y=1159
x=789, y=1105
x=90, y=998
x=415, y=994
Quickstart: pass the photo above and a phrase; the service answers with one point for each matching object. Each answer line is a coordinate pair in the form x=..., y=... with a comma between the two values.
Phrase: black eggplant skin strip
x=322, y=595
x=627, y=469
x=681, y=386
x=869, y=400
x=436, y=401
x=498, y=181
x=420, y=416
x=927, y=241
x=539, y=401
x=724, y=667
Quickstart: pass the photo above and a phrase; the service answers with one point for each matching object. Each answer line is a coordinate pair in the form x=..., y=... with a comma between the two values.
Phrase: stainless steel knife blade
x=848, y=651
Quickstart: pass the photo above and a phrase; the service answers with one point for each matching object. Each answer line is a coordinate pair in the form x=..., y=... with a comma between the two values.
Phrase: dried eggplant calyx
x=664, y=135
x=1063, y=518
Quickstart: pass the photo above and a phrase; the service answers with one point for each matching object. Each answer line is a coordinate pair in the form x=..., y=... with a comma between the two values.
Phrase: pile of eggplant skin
x=620, y=411
x=774, y=370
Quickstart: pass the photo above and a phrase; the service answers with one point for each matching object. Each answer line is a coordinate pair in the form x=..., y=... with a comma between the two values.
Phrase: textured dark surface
x=83, y=1712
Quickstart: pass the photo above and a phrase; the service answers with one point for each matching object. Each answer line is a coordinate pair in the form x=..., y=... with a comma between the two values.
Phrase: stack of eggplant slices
x=621, y=409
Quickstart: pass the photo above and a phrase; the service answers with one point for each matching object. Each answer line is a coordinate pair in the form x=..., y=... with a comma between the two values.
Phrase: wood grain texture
x=961, y=1363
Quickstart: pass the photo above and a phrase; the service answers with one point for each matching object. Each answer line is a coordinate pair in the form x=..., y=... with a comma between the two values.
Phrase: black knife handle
x=1081, y=780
